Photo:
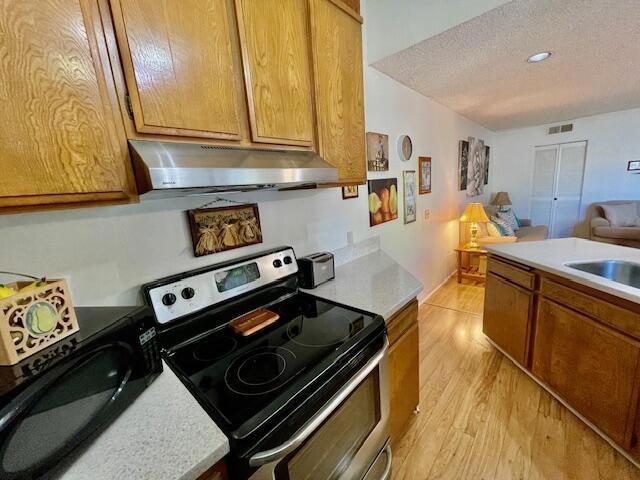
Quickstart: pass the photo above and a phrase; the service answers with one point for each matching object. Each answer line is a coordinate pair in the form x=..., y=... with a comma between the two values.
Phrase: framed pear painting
x=383, y=200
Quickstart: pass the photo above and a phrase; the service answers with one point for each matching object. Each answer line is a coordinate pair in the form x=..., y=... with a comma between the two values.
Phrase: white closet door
x=557, y=187
x=568, y=196
x=544, y=179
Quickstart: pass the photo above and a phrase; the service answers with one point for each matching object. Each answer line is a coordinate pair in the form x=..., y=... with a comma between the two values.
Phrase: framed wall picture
x=476, y=167
x=409, y=192
x=424, y=175
x=487, y=151
x=633, y=166
x=224, y=228
x=383, y=200
x=377, y=152
x=463, y=164
x=349, y=191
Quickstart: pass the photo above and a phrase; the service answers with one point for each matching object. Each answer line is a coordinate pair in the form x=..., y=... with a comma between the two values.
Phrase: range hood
x=177, y=169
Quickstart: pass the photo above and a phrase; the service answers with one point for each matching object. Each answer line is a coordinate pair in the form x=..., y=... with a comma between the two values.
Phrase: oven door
x=342, y=440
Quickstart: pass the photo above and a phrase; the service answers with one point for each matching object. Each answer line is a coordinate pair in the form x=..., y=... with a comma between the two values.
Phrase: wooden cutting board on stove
x=253, y=322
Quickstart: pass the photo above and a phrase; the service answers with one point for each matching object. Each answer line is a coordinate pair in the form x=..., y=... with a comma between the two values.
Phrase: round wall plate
x=405, y=147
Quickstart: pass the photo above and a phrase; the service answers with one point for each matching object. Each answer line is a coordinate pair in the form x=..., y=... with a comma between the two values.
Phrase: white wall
x=107, y=253
x=613, y=139
x=395, y=25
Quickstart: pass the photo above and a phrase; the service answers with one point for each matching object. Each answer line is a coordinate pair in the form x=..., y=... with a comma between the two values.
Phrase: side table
x=471, y=272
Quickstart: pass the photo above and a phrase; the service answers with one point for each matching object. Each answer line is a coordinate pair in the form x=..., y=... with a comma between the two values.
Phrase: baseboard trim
x=569, y=407
x=438, y=287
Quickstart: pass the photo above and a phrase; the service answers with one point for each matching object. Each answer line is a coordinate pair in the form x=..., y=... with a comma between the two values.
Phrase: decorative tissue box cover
x=35, y=319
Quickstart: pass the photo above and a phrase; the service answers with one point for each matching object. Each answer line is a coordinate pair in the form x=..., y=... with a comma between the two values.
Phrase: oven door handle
x=387, y=470
x=268, y=456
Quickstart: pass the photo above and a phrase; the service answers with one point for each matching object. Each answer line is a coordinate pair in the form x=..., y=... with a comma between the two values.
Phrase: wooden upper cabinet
x=181, y=66
x=277, y=68
x=336, y=41
x=353, y=4
x=61, y=136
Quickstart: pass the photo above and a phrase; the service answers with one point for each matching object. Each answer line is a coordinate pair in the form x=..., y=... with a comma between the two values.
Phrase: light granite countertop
x=163, y=434
x=374, y=282
x=553, y=255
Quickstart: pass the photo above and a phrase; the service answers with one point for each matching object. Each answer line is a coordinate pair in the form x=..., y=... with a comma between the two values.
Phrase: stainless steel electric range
x=305, y=397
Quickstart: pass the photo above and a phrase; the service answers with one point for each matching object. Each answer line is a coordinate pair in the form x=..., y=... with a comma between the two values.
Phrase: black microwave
x=56, y=400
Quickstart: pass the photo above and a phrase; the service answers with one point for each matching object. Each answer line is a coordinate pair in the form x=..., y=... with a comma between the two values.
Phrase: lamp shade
x=501, y=198
x=474, y=213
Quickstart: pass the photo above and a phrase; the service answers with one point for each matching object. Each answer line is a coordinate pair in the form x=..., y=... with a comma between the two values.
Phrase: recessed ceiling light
x=538, y=57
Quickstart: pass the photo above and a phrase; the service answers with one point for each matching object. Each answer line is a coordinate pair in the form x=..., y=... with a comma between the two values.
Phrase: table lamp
x=474, y=213
x=501, y=199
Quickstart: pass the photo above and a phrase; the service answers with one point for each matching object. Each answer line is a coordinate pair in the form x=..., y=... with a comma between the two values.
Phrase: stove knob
x=277, y=263
x=169, y=299
x=188, y=293
x=287, y=260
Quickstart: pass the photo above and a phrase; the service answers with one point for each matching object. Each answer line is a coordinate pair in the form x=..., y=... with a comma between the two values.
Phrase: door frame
x=556, y=178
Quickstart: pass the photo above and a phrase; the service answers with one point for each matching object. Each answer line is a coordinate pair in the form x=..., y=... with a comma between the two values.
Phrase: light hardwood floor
x=482, y=418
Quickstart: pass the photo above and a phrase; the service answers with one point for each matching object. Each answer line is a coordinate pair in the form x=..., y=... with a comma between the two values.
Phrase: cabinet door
x=404, y=361
x=336, y=41
x=276, y=58
x=62, y=138
x=507, y=310
x=181, y=64
x=589, y=365
x=404, y=378
x=217, y=472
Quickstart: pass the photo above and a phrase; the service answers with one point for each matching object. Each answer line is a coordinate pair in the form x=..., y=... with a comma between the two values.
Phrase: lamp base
x=473, y=243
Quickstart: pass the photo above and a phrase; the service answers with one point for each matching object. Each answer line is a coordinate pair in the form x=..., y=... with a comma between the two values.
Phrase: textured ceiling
x=479, y=68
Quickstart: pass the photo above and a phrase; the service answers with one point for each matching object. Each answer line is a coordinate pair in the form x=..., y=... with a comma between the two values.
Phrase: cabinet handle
x=127, y=101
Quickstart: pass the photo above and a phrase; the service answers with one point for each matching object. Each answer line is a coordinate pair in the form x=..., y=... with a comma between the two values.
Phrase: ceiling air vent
x=568, y=127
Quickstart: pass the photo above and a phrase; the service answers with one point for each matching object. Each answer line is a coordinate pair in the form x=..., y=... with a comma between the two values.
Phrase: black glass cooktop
x=249, y=378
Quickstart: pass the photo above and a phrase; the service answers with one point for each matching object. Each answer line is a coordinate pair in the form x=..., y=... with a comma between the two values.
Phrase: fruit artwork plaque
x=383, y=200
x=34, y=316
x=218, y=229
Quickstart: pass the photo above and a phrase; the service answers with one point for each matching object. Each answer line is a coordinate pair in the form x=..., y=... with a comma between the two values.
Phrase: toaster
x=315, y=269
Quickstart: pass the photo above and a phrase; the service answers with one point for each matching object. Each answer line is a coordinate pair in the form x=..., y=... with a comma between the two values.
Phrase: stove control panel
x=191, y=293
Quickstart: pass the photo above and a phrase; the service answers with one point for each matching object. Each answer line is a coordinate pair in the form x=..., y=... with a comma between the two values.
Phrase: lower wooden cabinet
x=589, y=365
x=583, y=345
x=217, y=472
x=507, y=313
x=404, y=362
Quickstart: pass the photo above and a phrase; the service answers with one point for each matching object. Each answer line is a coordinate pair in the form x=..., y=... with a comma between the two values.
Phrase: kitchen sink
x=627, y=273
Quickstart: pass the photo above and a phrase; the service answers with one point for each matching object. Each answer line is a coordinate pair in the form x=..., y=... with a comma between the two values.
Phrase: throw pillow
x=504, y=227
x=493, y=230
x=510, y=218
x=623, y=215
x=518, y=220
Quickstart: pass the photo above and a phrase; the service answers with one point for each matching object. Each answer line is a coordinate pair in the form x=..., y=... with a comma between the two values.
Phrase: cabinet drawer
x=589, y=365
x=517, y=275
x=402, y=321
x=608, y=313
